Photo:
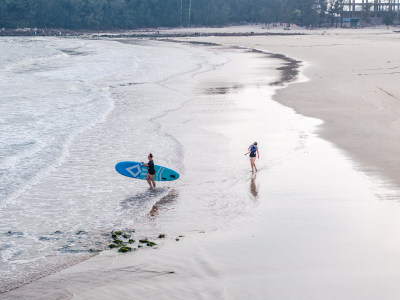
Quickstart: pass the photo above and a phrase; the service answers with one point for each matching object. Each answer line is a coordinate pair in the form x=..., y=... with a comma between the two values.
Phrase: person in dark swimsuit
x=152, y=171
x=253, y=150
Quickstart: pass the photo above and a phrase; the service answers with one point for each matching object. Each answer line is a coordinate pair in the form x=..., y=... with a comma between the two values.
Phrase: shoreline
x=186, y=32
x=290, y=70
x=139, y=33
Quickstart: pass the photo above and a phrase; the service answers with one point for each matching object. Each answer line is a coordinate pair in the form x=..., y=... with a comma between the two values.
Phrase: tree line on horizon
x=131, y=14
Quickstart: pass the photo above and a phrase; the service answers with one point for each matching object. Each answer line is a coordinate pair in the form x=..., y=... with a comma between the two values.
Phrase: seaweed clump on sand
x=124, y=241
x=147, y=242
x=125, y=249
x=120, y=240
x=179, y=237
x=115, y=234
x=94, y=250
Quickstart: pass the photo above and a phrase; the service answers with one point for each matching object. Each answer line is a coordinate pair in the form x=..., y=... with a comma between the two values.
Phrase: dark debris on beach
x=123, y=241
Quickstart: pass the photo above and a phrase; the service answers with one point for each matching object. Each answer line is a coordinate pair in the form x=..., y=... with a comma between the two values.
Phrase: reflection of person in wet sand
x=253, y=150
x=253, y=187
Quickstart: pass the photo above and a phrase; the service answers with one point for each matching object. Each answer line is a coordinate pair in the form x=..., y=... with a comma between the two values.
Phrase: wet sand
x=308, y=225
x=353, y=88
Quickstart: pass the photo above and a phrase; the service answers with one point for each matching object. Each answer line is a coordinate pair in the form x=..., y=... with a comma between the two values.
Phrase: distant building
x=359, y=12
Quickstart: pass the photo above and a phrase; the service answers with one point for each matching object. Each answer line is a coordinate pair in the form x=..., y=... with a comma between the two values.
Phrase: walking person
x=152, y=171
x=253, y=150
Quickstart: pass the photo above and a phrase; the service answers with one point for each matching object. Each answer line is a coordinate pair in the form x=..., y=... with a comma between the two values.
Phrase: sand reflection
x=254, y=186
x=141, y=198
x=164, y=203
x=223, y=89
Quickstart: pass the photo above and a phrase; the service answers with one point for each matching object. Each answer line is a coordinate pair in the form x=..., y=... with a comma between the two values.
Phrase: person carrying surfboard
x=253, y=150
x=152, y=171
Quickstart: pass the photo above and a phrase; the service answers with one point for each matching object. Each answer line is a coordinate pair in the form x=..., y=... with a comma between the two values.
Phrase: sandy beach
x=320, y=218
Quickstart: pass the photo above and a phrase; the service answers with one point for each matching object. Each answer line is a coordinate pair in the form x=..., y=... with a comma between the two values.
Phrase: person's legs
x=252, y=163
x=152, y=180
x=148, y=179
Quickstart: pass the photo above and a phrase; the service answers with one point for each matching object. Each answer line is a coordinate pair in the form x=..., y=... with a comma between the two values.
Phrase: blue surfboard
x=139, y=171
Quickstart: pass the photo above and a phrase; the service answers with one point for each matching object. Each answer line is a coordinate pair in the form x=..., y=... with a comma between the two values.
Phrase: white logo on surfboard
x=131, y=170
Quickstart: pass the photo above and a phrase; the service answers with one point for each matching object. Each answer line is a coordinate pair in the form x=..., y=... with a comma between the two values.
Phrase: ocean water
x=69, y=110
